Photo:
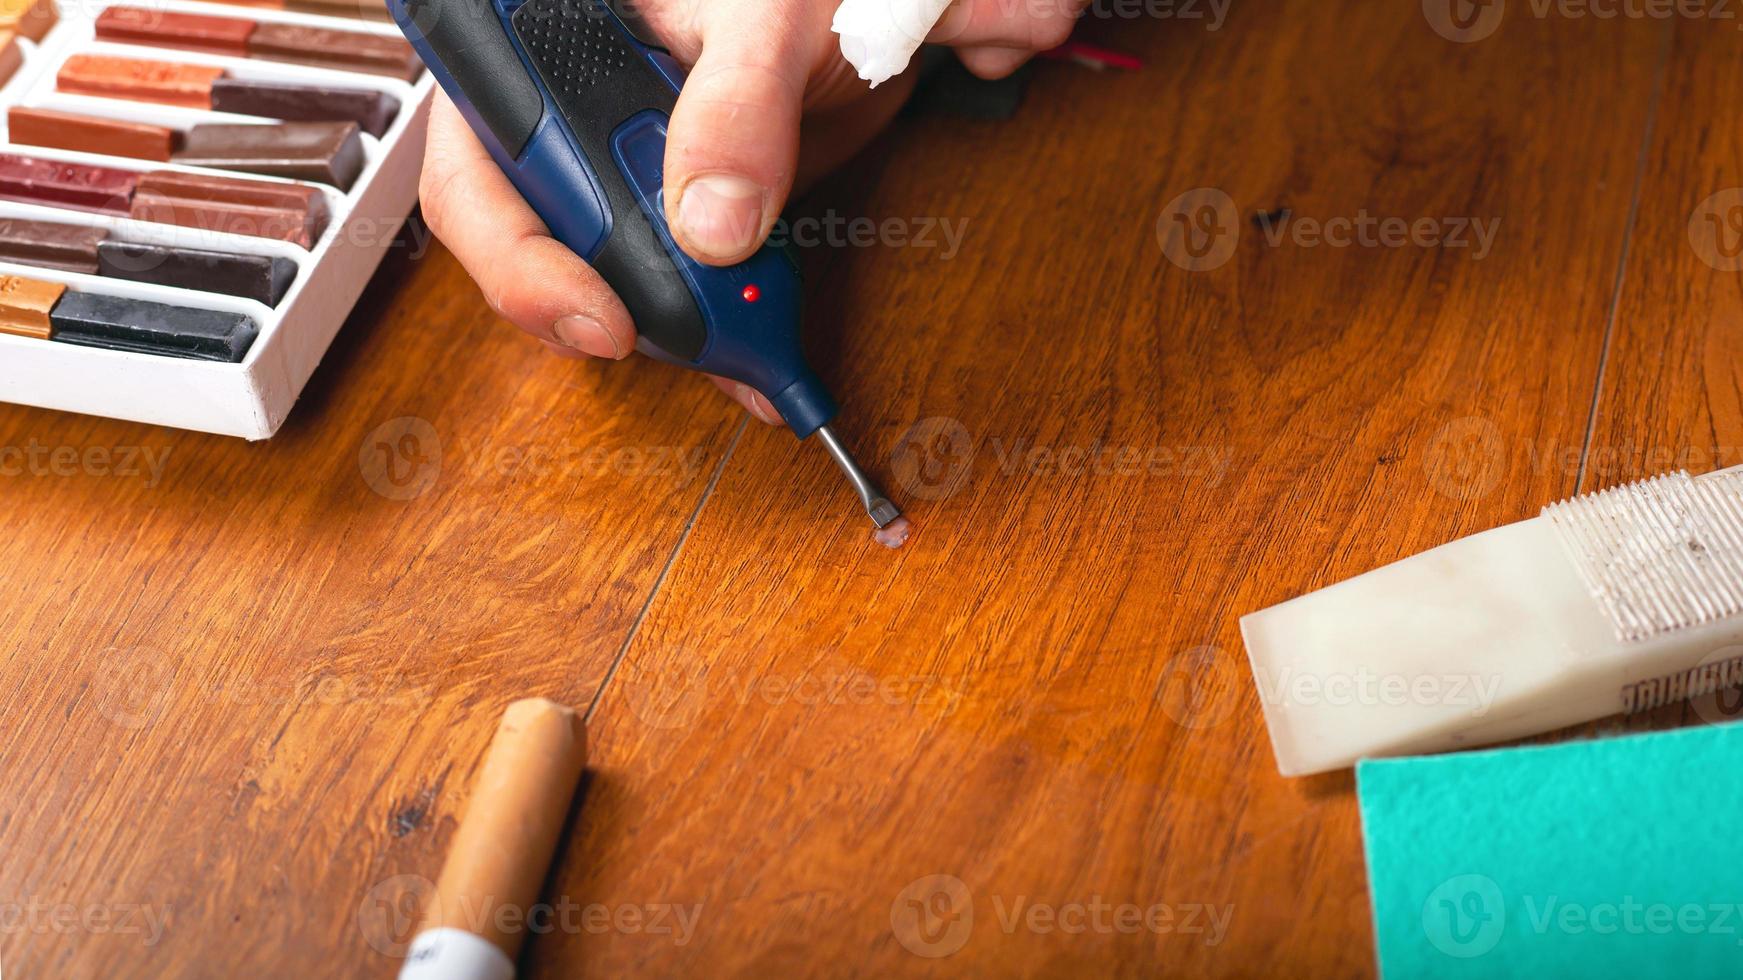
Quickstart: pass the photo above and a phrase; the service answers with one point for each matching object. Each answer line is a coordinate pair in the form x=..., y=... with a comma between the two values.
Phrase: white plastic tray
x=250, y=399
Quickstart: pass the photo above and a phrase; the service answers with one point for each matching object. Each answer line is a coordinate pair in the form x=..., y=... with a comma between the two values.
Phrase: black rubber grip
x=598, y=79
x=468, y=38
x=629, y=14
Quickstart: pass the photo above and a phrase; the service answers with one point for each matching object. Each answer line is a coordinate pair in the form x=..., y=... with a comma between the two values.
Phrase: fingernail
x=748, y=397
x=558, y=350
x=721, y=214
x=587, y=335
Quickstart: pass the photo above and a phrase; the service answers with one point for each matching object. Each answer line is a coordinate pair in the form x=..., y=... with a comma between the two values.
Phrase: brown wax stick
x=369, y=109
x=169, y=29
x=373, y=10
x=140, y=80
x=51, y=244
x=370, y=10
x=376, y=54
x=30, y=18
x=502, y=850
x=66, y=185
x=11, y=56
x=361, y=8
x=206, y=87
x=264, y=209
x=326, y=152
x=25, y=305
x=89, y=134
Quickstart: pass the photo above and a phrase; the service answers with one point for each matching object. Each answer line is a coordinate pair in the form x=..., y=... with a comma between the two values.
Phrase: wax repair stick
x=1609, y=603
x=502, y=851
x=879, y=37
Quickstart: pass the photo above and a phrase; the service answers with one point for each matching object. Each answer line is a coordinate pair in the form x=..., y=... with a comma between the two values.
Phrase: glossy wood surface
x=246, y=685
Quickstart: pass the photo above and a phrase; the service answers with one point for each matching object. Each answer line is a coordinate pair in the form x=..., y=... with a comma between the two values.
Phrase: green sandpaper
x=1618, y=857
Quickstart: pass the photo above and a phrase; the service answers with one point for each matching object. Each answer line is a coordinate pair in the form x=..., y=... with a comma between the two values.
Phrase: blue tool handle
x=573, y=106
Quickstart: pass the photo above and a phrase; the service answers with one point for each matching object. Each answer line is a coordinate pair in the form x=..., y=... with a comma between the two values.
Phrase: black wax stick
x=115, y=323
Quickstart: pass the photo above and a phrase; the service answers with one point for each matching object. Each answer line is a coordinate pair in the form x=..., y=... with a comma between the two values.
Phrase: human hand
x=758, y=69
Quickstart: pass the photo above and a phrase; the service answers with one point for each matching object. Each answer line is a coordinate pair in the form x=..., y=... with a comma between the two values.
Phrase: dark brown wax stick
x=372, y=111
x=115, y=323
x=326, y=152
x=258, y=277
x=51, y=244
x=265, y=209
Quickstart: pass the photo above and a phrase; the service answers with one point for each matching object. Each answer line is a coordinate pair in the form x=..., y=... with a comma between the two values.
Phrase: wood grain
x=1062, y=714
x=1672, y=395
x=248, y=693
x=254, y=684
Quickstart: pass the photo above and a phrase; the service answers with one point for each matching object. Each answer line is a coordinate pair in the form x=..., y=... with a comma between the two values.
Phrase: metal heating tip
x=877, y=506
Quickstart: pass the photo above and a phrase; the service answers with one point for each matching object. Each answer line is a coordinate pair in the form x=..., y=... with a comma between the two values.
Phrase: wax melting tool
x=572, y=102
x=1613, y=602
x=477, y=916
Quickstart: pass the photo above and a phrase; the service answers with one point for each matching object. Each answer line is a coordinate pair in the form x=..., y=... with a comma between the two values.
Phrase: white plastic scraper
x=1617, y=601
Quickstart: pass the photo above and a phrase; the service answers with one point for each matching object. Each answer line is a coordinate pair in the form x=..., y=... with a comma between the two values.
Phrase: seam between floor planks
x=1642, y=161
x=671, y=559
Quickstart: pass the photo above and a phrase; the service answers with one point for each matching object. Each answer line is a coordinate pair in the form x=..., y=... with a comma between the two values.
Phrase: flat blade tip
x=883, y=512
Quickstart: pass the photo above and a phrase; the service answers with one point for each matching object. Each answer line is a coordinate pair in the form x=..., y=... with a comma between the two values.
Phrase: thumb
x=733, y=142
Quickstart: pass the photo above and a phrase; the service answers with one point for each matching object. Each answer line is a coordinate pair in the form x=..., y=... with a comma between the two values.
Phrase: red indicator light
x=752, y=293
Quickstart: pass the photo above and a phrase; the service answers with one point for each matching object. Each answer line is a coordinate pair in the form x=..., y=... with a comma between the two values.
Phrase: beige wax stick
x=502, y=851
